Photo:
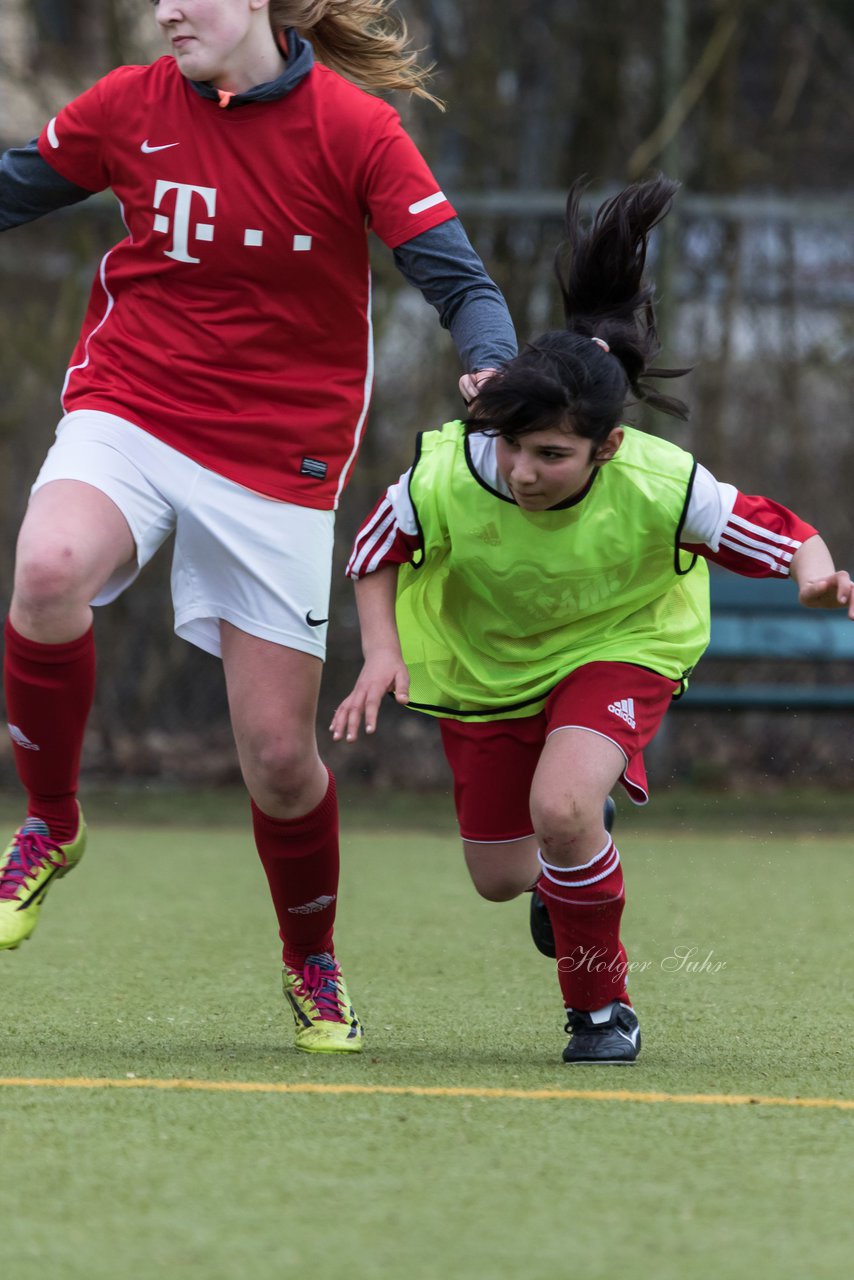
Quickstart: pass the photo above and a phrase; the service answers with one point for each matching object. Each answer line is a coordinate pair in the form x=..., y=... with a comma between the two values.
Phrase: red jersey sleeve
x=758, y=538
x=381, y=541
x=400, y=193
x=74, y=142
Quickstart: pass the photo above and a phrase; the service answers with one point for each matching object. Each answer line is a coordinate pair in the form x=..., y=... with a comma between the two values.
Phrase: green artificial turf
x=158, y=959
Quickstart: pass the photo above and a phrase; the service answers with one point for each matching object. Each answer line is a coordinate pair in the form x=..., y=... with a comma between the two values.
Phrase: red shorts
x=493, y=762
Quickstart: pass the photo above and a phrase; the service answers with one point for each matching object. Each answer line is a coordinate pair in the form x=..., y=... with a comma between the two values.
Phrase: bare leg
x=72, y=540
x=577, y=771
x=502, y=871
x=272, y=692
x=272, y=695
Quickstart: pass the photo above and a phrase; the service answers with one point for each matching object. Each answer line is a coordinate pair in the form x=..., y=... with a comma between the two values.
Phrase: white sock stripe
x=582, y=866
x=571, y=883
x=603, y=875
x=577, y=902
x=579, y=884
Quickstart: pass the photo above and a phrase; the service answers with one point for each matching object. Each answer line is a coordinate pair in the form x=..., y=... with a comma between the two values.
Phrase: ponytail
x=600, y=272
x=360, y=39
x=584, y=374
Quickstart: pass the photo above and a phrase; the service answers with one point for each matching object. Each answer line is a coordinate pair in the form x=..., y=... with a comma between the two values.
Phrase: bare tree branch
x=687, y=97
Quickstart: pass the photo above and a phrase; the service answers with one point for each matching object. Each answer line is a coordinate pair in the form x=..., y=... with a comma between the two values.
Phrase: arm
x=386, y=540
x=820, y=585
x=745, y=533
x=384, y=670
x=757, y=538
x=30, y=188
x=415, y=219
x=442, y=264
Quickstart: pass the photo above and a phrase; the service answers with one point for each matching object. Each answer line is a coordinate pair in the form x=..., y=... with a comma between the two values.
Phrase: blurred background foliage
x=749, y=104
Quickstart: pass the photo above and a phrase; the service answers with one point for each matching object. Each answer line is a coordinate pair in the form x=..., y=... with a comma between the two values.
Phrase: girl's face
x=227, y=43
x=544, y=468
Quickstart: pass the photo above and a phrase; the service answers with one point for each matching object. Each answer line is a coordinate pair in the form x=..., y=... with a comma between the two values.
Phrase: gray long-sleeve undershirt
x=441, y=263
x=30, y=188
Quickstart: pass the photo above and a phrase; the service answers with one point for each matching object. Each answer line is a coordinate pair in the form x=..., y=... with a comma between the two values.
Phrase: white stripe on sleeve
x=372, y=540
x=393, y=513
x=711, y=521
x=777, y=561
x=765, y=534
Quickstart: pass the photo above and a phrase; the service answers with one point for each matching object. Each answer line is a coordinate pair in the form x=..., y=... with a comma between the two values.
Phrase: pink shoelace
x=319, y=983
x=32, y=849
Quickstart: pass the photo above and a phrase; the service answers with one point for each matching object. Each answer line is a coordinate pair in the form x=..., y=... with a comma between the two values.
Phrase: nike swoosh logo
x=632, y=1039
x=315, y=622
x=147, y=148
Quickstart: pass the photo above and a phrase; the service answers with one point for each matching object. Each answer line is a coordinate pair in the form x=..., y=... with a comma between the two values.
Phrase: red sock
x=49, y=692
x=585, y=905
x=300, y=857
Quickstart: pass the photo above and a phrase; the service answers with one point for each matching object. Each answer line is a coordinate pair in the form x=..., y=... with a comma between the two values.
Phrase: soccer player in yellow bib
x=537, y=580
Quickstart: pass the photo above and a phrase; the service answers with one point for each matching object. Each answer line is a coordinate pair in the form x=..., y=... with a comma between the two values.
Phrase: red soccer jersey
x=233, y=323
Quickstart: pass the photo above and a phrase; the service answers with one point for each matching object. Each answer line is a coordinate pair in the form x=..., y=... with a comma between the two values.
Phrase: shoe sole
x=338, y=1048
x=599, y=1062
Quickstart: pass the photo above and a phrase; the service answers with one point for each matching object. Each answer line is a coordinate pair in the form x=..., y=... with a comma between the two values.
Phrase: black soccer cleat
x=541, y=926
x=597, y=1038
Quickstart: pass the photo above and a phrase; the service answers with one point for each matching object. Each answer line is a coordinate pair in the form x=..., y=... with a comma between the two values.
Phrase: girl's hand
x=832, y=592
x=470, y=383
x=383, y=672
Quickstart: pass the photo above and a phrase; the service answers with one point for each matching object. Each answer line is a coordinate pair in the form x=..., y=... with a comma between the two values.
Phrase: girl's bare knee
x=49, y=580
x=566, y=826
x=281, y=774
x=558, y=818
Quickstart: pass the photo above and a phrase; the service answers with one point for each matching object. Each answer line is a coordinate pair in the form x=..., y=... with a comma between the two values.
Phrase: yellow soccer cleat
x=28, y=868
x=324, y=1018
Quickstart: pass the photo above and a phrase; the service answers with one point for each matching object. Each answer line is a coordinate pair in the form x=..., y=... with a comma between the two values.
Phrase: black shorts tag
x=311, y=467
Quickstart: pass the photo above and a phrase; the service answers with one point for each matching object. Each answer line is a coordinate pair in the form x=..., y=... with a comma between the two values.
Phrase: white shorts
x=263, y=565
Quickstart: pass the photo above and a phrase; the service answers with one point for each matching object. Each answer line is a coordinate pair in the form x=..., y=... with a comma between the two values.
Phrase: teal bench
x=760, y=633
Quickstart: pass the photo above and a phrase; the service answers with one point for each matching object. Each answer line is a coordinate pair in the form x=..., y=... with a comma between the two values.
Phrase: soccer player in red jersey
x=219, y=391
x=537, y=580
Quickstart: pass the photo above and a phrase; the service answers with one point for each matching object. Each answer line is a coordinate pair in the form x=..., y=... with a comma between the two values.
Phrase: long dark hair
x=582, y=376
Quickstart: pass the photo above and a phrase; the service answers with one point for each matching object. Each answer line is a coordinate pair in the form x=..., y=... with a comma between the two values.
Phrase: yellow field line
x=429, y=1091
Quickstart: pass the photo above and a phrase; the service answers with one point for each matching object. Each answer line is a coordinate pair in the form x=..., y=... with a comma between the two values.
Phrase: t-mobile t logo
x=180, y=223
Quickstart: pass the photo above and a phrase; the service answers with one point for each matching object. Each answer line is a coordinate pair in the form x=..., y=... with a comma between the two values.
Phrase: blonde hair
x=360, y=39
